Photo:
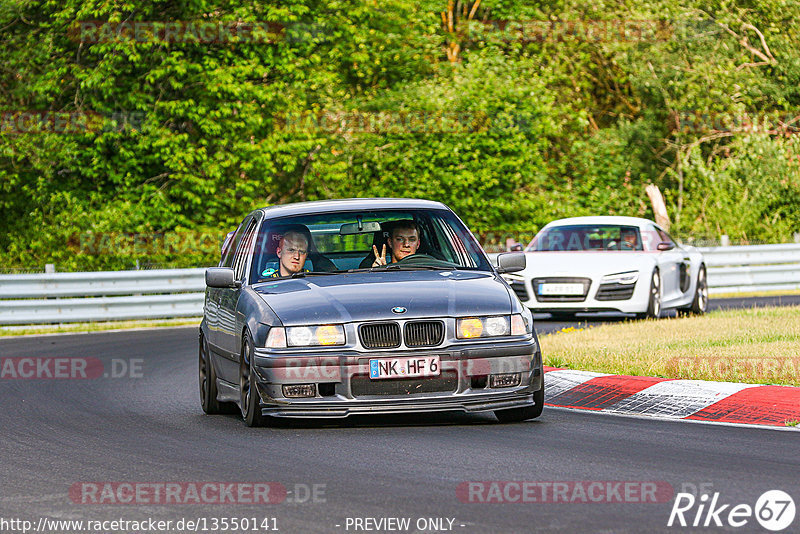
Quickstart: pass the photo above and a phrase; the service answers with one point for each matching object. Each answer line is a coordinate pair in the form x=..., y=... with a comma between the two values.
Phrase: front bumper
x=343, y=386
x=599, y=297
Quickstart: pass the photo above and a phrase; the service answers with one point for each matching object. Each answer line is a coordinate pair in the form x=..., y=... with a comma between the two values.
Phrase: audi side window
x=651, y=237
x=665, y=236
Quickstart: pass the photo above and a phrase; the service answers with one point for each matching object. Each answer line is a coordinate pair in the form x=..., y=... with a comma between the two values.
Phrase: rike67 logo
x=774, y=510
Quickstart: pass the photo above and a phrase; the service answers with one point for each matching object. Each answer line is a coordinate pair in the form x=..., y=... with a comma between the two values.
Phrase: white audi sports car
x=620, y=264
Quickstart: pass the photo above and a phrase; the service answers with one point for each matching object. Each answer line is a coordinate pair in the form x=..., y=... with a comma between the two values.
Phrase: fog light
x=504, y=381
x=299, y=390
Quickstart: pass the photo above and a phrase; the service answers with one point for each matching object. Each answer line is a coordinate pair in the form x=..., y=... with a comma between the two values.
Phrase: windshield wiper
x=400, y=267
x=301, y=274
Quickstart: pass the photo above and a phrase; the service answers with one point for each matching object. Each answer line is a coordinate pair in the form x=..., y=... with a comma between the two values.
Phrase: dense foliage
x=512, y=112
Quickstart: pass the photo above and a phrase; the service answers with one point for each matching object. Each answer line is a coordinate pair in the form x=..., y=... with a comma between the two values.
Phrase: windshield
x=587, y=237
x=340, y=242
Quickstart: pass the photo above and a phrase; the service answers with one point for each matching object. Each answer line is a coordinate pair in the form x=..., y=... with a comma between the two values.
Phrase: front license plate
x=561, y=289
x=404, y=367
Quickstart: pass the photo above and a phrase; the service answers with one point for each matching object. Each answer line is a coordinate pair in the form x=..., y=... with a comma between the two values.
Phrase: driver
x=628, y=239
x=292, y=252
x=403, y=242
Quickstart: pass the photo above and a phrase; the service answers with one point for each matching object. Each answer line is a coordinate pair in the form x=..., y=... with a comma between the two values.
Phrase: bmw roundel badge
x=398, y=309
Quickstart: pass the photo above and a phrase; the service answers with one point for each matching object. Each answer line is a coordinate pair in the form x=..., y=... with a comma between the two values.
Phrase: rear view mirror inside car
x=360, y=228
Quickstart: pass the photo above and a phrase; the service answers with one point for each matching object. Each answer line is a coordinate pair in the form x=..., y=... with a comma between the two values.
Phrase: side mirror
x=221, y=277
x=664, y=245
x=511, y=262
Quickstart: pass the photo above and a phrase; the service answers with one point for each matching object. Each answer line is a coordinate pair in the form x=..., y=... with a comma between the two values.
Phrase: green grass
x=67, y=328
x=758, y=345
x=779, y=293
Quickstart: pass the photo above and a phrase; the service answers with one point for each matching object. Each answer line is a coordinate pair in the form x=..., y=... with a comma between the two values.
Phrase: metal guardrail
x=739, y=269
x=101, y=296
x=101, y=283
x=174, y=293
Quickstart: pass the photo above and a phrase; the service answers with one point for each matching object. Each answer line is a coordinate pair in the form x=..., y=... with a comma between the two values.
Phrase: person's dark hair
x=403, y=224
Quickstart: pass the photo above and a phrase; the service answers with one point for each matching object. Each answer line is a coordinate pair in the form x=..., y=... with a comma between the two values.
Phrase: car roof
x=347, y=204
x=601, y=219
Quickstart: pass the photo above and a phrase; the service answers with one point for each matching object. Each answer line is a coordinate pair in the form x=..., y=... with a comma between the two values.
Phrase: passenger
x=403, y=242
x=292, y=253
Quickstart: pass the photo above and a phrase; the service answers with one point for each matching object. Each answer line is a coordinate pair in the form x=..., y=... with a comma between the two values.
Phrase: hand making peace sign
x=380, y=259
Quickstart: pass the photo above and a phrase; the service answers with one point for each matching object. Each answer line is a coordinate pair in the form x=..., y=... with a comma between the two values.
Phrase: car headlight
x=501, y=325
x=305, y=336
x=629, y=277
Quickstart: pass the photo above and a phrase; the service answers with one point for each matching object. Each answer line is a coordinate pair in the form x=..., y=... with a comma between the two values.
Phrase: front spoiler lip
x=575, y=309
x=463, y=403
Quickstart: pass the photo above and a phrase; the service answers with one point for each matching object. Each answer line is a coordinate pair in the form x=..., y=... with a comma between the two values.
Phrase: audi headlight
x=306, y=336
x=629, y=277
x=475, y=327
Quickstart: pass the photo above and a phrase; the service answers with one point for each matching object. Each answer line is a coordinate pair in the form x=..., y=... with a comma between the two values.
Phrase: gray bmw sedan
x=364, y=306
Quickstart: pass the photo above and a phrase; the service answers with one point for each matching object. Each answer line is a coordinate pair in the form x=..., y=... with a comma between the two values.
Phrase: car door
x=213, y=294
x=229, y=328
x=672, y=264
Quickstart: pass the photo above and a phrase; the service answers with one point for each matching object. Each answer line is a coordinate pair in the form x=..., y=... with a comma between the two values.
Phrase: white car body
x=566, y=278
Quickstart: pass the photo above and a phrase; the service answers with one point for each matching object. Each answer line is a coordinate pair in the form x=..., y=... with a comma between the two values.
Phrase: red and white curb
x=699, y=400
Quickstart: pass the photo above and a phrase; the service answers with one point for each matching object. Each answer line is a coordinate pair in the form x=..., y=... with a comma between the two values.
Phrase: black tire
x=249, y=402
x=700, y=302
x=207, y=379
x=517, y=415
x=654, y=301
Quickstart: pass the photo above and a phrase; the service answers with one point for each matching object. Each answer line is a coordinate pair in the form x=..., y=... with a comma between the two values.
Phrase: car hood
x=372, y=295
x=590, y=263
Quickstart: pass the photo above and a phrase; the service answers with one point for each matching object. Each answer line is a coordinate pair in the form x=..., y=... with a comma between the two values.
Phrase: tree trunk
x=659, y=208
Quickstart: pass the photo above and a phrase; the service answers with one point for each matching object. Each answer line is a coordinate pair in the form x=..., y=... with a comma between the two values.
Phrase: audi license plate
x=561, y=289
x=414, y=367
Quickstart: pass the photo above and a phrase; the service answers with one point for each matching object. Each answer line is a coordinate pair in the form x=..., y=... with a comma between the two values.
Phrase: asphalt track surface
x=544, y=325
x=148, y=428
